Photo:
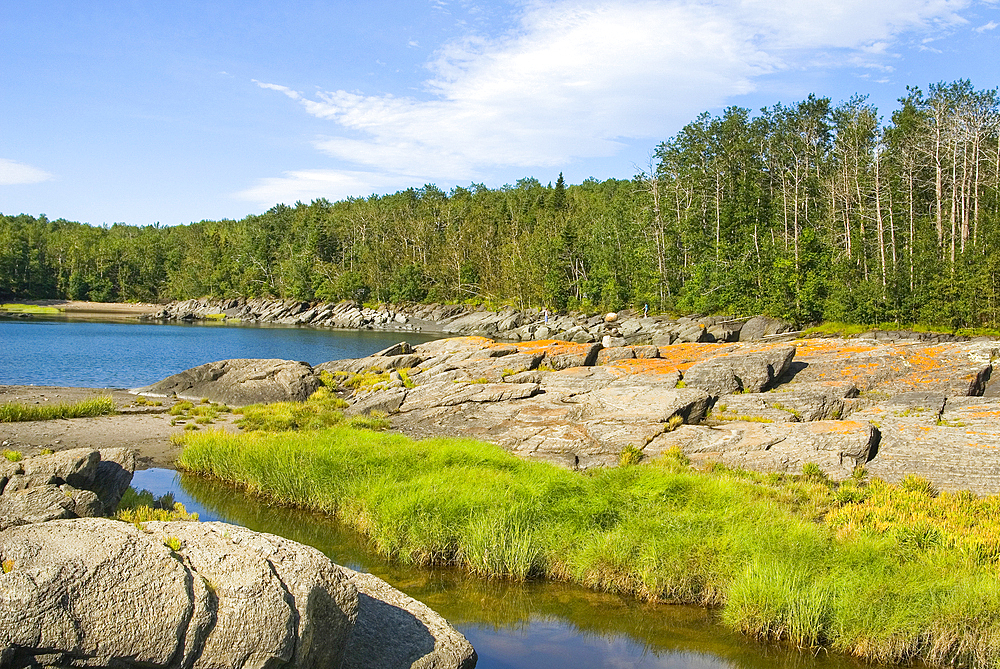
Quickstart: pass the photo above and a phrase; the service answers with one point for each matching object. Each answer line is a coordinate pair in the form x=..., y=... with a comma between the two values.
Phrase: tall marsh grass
x=786, y=558
x=13, y=412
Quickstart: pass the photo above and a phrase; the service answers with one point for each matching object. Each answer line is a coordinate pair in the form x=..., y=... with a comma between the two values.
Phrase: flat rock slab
x=953, y=443
x=576, y=431
x=885, y=369
x=837, y=447
x=240, y=382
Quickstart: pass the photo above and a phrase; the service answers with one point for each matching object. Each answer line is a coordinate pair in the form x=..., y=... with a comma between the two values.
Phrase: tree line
x=806, y=212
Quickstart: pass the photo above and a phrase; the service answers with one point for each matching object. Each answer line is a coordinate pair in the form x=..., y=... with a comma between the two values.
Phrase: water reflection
x=511, y=625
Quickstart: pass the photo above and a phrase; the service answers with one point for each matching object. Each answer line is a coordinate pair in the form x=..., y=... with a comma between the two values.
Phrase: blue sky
x=173, y=112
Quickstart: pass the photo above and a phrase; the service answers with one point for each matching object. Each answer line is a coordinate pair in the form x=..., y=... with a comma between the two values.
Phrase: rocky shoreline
x=622, y=328
x=894, y=407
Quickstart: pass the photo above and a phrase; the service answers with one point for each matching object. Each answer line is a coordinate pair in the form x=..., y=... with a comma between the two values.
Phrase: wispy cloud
x=988, y=26
x=309, y=185
x=13, y=173
x=574, y=79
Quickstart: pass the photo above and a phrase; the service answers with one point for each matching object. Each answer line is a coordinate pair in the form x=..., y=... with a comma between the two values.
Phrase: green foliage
x=28, y=309
x=181, y=408
x=809, y=211
x=322, y=409
x=101, y=405
x=630, y=455
x=12, y=456
x=859, y=569
x=140, y=506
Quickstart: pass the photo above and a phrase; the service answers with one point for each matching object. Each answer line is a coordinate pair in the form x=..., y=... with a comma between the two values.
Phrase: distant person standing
x=645, y=310
x=545, y=313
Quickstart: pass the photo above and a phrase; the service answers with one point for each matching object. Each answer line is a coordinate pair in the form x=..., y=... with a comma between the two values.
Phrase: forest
x=808, y=212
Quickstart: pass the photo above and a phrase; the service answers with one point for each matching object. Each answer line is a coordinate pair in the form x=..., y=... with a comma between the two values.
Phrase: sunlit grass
x=796, y=558
x=28, y=309
x=101, y=405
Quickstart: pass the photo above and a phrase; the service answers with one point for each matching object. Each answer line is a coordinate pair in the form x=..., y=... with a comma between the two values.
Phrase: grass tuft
x=102, y=405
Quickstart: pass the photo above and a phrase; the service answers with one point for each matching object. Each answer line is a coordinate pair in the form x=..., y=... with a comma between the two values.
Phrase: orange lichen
x=553, y=347
x=641, y=366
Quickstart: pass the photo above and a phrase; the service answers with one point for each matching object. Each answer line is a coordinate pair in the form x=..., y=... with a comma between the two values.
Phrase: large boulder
x=394, y=630
x=96, y=592
x=240, y=382
x=74, y=483
x=740, y=372
x=759, y=327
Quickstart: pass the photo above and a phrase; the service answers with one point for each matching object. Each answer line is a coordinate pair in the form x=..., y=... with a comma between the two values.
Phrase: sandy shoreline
x=80, y=309
x=144, y=428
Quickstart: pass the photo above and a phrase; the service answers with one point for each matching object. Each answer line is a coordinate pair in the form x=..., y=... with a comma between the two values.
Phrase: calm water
x=128, y=355
x=512, y=626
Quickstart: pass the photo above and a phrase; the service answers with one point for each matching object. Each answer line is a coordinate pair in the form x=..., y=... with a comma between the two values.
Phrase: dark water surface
x=90, y=354
x=512, y=626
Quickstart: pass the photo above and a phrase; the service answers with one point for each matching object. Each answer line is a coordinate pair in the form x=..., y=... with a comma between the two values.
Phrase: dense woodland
x=806, y=212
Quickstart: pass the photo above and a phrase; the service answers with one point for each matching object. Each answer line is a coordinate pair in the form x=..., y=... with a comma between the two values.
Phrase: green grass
x=28, y=309
x=101, y=405
x=854, y=568
x=322, y=409
x=836, y=328
x=140, y=506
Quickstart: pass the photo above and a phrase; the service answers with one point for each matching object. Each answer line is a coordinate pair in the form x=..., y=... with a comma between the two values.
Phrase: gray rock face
x=67, y=484
x=96, y=592
x=954, y=443
x=241, y=382
x=393, y=630
x=837, y=447
x=759, y=327
x=734, y=373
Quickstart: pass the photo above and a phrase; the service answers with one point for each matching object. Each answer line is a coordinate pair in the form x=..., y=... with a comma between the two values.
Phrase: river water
x=103, y=354
x=511, y=625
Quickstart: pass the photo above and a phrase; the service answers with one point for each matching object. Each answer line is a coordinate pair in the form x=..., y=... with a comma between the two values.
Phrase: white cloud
x=309, y=185
x=988, y=26
x=574, y=78
x=13, y=173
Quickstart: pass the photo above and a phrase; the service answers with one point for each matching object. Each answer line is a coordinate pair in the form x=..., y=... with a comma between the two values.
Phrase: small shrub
x=190, y=426
x=180, y=408
x=681, y=384
x=46, y=451
x=376, y=420
x=918, y=484
x=404, y=375
x=674, y=422
x=173, y=543
x=630, y=455
x=8, y=566
x=13, y=456
x=812, y=471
